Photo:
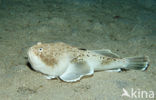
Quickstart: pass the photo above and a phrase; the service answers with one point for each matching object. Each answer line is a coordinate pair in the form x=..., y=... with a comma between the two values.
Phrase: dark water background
x=127, y=27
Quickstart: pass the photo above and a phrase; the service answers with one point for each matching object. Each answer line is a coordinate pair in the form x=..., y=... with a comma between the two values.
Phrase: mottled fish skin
x=53, y=51
x=50, y=56
x=55, y=59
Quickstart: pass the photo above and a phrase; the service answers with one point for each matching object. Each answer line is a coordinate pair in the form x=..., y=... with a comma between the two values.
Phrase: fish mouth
x=32, y=57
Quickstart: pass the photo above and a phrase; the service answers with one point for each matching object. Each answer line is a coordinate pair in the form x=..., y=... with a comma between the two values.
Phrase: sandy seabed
x=127, y=28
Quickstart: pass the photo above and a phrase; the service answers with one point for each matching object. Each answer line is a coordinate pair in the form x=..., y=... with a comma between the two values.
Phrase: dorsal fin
x=106, y=52
x=82, y=49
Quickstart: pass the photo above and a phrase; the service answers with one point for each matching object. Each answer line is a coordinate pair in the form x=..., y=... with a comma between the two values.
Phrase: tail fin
x=138, y=63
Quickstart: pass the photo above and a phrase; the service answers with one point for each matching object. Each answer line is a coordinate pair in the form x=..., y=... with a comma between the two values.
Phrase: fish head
x=47, y=58
x=41, y=55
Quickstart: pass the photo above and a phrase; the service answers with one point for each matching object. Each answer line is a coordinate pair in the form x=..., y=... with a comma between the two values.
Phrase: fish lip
x=29, y=54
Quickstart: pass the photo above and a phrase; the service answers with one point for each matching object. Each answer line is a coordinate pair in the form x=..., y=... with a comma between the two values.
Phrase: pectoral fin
x=106, y=52
x=75, y=71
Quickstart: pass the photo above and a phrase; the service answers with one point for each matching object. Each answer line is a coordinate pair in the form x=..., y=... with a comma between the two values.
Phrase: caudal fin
x=138, y=63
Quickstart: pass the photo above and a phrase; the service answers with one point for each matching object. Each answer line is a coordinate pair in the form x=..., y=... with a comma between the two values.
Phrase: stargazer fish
x=70, y=64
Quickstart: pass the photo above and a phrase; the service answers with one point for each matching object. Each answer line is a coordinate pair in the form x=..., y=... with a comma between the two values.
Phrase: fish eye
x=40, y=49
